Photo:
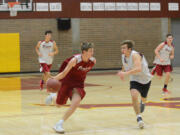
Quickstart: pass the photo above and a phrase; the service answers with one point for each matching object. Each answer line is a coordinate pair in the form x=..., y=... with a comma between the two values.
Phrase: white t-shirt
x=46, y=48
x=142, y=77
x=164, y=54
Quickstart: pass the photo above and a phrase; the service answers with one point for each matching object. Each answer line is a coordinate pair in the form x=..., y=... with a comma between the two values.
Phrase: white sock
x=53, y=95
x=142, y=102
x=138, y=115
x=61, y=122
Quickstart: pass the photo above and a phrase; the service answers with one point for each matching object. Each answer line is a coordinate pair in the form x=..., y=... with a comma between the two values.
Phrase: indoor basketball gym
x=107, y=107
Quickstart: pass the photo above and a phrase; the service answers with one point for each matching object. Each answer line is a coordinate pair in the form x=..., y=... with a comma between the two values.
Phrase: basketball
x=53, y=85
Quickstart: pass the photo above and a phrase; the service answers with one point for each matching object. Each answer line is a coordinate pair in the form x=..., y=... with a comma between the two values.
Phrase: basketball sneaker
x=140, y=122
x=59, y=128
x=41, y=84
x=165, y=91
x=142, y=107
x=49, y=99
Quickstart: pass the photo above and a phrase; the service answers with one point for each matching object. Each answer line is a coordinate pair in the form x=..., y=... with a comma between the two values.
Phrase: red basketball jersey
x=77, y=74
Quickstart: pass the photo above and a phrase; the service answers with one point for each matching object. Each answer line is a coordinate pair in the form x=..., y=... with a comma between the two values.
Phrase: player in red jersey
x=164, y=54
x=46, y=50
x=72, y=75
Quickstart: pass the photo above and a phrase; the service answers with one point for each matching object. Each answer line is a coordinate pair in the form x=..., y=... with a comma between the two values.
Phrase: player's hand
x=50, y=77
x=40, y=54
x=51, y=54
x=55, y=77
x=121, y=75
x=171, y=57
x=161, y=60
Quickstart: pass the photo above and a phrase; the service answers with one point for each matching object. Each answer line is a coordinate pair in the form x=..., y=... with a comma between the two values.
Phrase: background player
x=46, y=50
x=135, y=65
x=72, y=75
x=164, y=53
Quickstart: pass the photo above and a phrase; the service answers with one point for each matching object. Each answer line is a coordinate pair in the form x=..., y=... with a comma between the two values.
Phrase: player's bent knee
x=134, y=97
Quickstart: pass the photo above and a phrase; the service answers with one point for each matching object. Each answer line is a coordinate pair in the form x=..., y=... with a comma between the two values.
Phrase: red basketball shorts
x=159, y=69
x=45, y=67
x=66, y=91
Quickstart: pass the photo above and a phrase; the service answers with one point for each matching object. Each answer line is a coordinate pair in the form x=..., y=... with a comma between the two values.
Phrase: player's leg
x=58, y=98
x=46, y=76
x=166, y=81
x=159, y=71
x=144, y=92
x=42, y=82
x=51, y=99
x=142, y=104
x=75, y=102
x=153, y=71
x=167, y=70
x=134, y=86
x=46, y=73
x=76, y=99
x=42, y=78
x=135, y=102
x=143, y=100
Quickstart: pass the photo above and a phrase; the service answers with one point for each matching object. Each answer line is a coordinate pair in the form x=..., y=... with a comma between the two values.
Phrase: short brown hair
x=169, y=34
x=48, y=32
x=86, y=45
x=129, y=43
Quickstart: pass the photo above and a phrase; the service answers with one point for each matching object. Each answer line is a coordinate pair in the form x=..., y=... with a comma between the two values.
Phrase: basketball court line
x=99, y=106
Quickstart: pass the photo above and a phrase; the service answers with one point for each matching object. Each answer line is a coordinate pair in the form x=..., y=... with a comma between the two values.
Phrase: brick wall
x=108, y=33
x=105, y=33
x=31, y=31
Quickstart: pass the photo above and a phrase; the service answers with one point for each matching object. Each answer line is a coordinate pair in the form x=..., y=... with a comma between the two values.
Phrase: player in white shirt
x=164, y=53
x=136, y=66
x=46, y=50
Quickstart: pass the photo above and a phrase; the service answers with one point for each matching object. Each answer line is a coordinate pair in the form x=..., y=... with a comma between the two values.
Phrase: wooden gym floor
x=106, y=109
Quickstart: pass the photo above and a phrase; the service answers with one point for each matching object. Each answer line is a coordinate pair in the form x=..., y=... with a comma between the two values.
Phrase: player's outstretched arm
x=71, y=64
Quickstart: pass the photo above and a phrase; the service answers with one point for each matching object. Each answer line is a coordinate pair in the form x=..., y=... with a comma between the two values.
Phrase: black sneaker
x=142, y=107
x=140, y=122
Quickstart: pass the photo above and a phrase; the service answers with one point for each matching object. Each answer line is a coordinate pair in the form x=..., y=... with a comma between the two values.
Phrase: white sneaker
x=140, y=122
x=58, y=128
x=48, y=100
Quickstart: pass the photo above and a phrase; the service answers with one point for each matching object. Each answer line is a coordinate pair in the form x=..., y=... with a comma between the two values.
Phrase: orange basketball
x=53, y=85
